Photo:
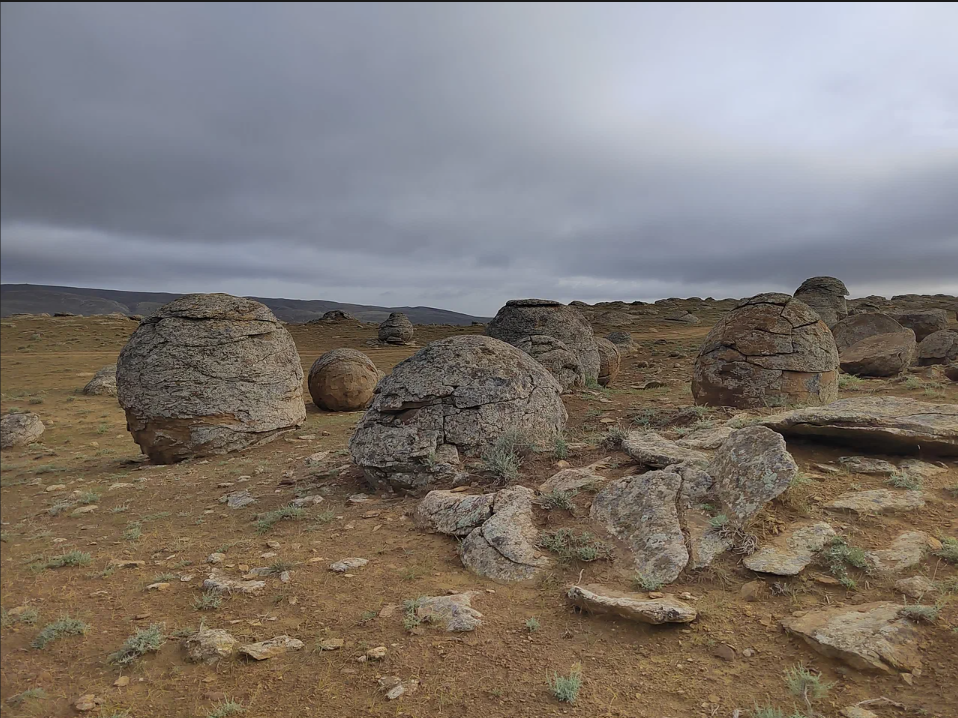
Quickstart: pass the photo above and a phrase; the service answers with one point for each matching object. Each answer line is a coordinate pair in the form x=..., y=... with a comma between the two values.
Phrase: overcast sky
x=462, y=155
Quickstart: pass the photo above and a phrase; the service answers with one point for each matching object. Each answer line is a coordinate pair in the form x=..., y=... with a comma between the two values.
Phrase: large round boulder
x=343, y=380
x=853, y=329
x=103, y=382
x=333, y=316
x=19, y=430
x=770, y=350
x=623, y=341
x=454, y=398
x=554, y=356
x=207, y=374
x=940, y=347
x=397, y=329
x=609, y=361
x=826, y=297
x=924, y=322
x=880, y=355
x=524, y=318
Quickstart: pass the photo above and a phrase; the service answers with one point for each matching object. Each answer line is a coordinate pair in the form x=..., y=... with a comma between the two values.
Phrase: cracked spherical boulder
x=522, y=319
x=208, y=374
x=397, y=329
x=343, y=380
x=826, y=297
x=609, y=361
x=771, y=350
x=555, y=356
x=454, y=398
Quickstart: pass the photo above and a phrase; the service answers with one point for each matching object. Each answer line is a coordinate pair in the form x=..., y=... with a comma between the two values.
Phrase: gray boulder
x=397, y=329
x=208, y=374
x=651, y=449
x=750, y=469
x=861, y=326
x=770, y=350
x=623, y=341
x=924, y=322
x=210, y=645
x=877, y=501
x=523, y=318
x=641, y=511
x=939, y=347
x=343, y=380
x=19, y=430
x=455, y=612
x=880, y=355
x=455, y=397
x=103, y=382
x=453, y=513
x=555, y=356
x=609, y=361
x=826, y=297
x=682, y=317
x=889, y=424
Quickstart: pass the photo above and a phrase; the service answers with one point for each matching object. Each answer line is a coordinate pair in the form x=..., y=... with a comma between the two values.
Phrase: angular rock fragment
x=455, y=611
x=222, y=584
x=655, y=451
x=348, y=564
x=210, y=645
x=631, y=606
x=791, y=552
x=452, y=513
x=878, y=501
x=905, y=551
x=277, y=646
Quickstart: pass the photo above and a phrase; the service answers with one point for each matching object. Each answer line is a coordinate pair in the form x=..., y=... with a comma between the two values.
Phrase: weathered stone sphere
x=880, y=354
x=397, y=329
x=555, y=356
x=208, y=374
x=103, y=382
x=520, y=319
x=623, y=341
x=924, y=322
x=826, y=297
x=451, y=399
x=19, y=430
x=940, y=347
x=609, y=361
x=771, y=350
x=853, y=329
x=343, y=380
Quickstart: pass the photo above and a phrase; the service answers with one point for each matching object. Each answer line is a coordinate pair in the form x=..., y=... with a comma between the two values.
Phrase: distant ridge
x=39, y=299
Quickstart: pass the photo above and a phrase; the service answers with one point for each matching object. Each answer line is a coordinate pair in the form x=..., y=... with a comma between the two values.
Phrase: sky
x=460, y=155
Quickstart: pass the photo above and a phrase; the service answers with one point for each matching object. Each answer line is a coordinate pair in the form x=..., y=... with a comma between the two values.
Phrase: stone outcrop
x=521, y=319
x=208, y=374
x=924, y=322
x=609, y=361
x=453, y=398
x=103, y=382
x=343, y=380
x=455, y=612
x=861, y=326
x=397, y=329
x=19, y=430
x=880, y=354
x=791, y=552
x=826, y=297
x=889, y=424
x=770, y=350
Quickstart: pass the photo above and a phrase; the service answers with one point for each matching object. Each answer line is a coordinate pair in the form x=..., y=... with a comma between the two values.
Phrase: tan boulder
x=343, y=380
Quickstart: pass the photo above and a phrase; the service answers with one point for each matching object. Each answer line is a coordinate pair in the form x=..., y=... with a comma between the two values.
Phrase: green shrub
x=566, y=688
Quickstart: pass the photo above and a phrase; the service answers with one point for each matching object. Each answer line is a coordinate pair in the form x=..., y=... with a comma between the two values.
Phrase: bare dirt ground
x=171, y=518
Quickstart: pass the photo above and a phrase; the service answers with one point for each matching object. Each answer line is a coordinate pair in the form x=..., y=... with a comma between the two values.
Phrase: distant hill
x=39, y=299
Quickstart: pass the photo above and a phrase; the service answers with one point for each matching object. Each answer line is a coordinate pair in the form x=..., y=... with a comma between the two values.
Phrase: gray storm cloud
x=459, y=155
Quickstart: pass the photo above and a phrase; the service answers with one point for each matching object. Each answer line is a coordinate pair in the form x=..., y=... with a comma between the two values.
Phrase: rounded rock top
x=214, y=306
x=535, y=303
x=823, y=284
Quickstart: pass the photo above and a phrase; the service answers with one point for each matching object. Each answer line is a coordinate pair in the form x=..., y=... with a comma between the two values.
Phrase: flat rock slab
x=631, y=606
x=504, y=547
x=907, y=550
x=348, y=564
x=575, y=479
x=878, y=501
x=892, y=424
x=270, y=649
x=455, y=611
x=222, y=584
x=868, y=465
x=916, y=586
x=655, y=451
x=791, y=552
x=750, y=469
x=237, y=499
x=210, y=645
x=870, y=637
x=711, y=438
x=452, y=513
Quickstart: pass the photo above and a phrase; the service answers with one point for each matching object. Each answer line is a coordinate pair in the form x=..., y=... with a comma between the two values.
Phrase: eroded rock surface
x=631, y=606
x=555, y=356
x=19, y=430
x=343, y=380
x=455, y=612
x=878, y=501
x=655, y=451
x=826, y=297
x=574, y=479
x=207, y=374
x=880, y=354
x=855, y=328
x=888, y=424
x=870, y=637
x=770, y=350
x=905, y=551
x=103, y=382
x=939, y=347
x=924, y=322
x=223, y=584
x=210, y=645
x=791, y=552
x=277, y=646
x=623, y=341
x=452, y=513
x=451, y=399
x=397, y=329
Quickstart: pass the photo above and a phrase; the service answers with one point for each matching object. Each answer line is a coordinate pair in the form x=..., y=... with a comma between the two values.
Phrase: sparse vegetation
x=948, y=550
x=566, y=688
x=645, y=583
x=613, y=437
x=504, y=458
x=556, y=499
x=63, y=626
x=267, y=521
x=208, y=601
x=806, y=685
x=569, y=547
x=28, y=617
x=850, y=383
x=146, y=640
x=560, y=447
x=902, y=480
x=839, y=555
x=718, y=521
x=920, y=614
x=72, y=558
x=31, y=694
x=88, y=497
x=133, y=531
x=227, y=708
x=410, y=618
x=163, y=578
x=532, y=625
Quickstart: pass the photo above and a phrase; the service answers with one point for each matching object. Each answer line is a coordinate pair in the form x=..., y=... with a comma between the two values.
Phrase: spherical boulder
x=454, y=398
x=554, y=356
x=523, y=318
x=397, y=329
x=19, y=430
x=343, y=380
x=826, y=297
x=208, y=374
x=103, y=382
x=770, y=350
x=333, y=316
x=940, y=347
x=924, y=322
x=880, y=354
x=853, y=329
x=623, y=341
x=609, y=361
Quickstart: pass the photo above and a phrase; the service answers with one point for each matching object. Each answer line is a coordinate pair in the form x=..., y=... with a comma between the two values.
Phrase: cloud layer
x=461, y=155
